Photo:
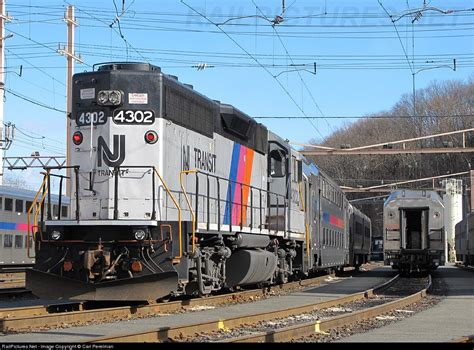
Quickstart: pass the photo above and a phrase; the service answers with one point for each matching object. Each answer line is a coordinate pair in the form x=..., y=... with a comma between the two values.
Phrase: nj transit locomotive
x=414, y=237
x=172, y=192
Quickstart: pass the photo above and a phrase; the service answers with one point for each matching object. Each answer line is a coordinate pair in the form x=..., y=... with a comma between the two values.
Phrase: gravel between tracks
x=401, y=288
x=437, y=294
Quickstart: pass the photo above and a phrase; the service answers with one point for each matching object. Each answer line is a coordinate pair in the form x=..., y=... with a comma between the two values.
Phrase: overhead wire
x=33, y=101
x=115, y=30
x=370, y=117
x=299, y=74
x=251, y=56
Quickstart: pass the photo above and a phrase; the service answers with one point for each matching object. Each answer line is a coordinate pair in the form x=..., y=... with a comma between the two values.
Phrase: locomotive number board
x=87, y=117
x=133, y=116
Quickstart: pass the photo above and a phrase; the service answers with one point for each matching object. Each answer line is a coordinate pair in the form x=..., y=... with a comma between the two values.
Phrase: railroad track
x=76, y=313
x=231, y=329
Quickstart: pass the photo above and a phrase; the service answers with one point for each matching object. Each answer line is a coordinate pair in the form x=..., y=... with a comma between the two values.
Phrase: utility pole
x=68, y=51
x=3, y=18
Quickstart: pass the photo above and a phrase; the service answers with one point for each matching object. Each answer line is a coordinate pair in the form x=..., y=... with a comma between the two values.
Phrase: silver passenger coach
x=414, y=238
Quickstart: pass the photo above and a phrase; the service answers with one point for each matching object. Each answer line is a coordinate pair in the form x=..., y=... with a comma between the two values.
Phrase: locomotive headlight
x=102, y=97
x=55, y=235
x=140, y=235
x=109, y=97
x=115, y=97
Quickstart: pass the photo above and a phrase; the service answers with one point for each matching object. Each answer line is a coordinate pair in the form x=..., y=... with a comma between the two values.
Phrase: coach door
x=278, y=183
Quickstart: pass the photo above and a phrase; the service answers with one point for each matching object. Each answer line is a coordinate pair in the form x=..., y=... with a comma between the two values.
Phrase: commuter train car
x=14, y=206
x=360, y=237
x=414, y=237
x=464, y=240
x=174, y=193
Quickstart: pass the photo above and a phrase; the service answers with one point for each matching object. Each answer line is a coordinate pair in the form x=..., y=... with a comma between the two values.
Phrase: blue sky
x=361, y=66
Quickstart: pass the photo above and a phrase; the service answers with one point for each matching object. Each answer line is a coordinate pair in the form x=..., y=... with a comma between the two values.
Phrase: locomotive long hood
x=150, y=287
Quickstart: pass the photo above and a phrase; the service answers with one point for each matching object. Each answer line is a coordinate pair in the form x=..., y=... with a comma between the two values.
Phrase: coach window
x=8, y=204
x=7, y=241
x=28, y=206
x=19, y=206
x=277, y=163
x=18, y=241
x=55, y=211
x=1, y=202
x=64, y=211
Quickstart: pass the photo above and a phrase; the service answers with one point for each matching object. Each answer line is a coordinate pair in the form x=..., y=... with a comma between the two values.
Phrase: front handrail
x=180, y=233
x=193, y=216
x=30, y=228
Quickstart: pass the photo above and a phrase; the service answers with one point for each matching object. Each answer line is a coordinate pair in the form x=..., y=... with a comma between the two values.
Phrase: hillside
x=433, y=105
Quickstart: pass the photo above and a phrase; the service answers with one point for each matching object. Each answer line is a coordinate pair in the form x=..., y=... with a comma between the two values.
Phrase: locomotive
x=414, y=235
x=173, y=193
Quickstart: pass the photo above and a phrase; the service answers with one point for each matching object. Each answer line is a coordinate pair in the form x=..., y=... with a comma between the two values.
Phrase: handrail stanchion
x=153, y=196
x=218, y=205
x=208, y=203
x=76, y=174
x=251, y=208
x=48, y=191
x=260, y=210
x=30, y=231
x=60, y=196
x=193, y=217
x=277, y=214
x=197, y=201
x=41, y=206
x=116, y=173
x=179, y=213
x=241, y=206
x=230, y=205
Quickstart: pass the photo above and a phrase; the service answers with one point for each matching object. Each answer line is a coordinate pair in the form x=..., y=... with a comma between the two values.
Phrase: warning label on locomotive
x=138, y=99
x=87, y=94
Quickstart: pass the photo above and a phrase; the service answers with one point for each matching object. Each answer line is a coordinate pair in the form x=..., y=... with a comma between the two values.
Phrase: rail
x=229, y=217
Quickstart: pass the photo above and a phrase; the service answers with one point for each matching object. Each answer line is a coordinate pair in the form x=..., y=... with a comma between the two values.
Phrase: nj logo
x=115, y=158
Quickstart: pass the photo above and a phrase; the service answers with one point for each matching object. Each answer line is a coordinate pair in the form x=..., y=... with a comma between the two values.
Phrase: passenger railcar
x=464, y=240
x=414, y=237
x=174, y=193
x=360, y=235
x=14, y=206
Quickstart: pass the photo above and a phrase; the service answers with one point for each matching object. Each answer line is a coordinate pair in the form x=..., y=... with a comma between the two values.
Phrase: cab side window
x=277, y=163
